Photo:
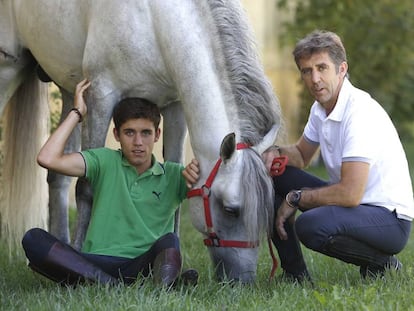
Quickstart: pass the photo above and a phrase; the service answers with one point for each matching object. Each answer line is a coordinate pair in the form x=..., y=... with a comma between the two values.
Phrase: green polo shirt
x=130, y=211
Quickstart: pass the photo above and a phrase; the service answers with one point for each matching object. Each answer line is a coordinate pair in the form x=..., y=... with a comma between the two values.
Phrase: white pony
x=195, y=60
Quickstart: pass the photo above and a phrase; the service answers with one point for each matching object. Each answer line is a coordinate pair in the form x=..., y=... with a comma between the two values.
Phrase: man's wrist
x=77, y=111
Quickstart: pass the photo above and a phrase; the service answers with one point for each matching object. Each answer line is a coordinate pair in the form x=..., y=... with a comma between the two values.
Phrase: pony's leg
x=84, y=197
x=174, y=133
x=59, y=185
x=94, y=134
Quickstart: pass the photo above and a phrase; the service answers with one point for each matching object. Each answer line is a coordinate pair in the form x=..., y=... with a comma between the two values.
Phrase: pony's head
x=236, y=208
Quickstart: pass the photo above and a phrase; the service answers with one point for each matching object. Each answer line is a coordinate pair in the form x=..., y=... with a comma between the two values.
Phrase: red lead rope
x=274, y=260
x=213, y=240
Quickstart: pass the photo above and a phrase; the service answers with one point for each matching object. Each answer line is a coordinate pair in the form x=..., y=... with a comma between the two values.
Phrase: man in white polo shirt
x=363, y=214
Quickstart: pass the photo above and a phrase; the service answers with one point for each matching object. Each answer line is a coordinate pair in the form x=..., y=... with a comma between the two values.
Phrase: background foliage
x=378, y=36
x=55, y=101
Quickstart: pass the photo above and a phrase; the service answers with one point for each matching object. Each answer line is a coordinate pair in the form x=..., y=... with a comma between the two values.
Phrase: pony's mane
x=257, y=106
x=259, y=216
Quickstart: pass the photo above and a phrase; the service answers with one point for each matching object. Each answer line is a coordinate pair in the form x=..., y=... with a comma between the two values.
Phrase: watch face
x=295, y=196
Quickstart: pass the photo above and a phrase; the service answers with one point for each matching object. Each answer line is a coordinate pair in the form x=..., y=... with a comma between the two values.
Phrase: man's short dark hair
x=135, y=108
x=320, y=41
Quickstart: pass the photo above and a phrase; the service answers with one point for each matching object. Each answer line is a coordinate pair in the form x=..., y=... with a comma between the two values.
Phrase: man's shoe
x=298, y=278
x=375, y=271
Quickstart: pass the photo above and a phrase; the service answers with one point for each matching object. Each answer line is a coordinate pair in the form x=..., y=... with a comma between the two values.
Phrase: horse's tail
x=24, y=197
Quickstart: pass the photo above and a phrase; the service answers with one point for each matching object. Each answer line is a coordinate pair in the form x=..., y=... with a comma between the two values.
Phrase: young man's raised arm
x=51, y=155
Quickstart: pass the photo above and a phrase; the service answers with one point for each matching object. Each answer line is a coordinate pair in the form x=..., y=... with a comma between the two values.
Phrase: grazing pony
x=194, y=59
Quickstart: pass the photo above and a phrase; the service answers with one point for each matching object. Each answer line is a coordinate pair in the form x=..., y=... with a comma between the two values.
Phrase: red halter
x=213, y=240
x=204, y=192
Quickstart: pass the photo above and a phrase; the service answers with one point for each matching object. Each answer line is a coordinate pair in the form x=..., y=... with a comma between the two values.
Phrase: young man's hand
x=79, y=102
x=191, y=173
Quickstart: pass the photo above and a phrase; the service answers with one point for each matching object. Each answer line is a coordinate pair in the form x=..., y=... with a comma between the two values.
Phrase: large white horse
x=194, y=59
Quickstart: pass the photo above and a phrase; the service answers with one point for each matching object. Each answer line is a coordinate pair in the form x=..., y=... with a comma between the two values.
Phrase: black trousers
x=375, y=226
x=37, y=244
x=290, y=253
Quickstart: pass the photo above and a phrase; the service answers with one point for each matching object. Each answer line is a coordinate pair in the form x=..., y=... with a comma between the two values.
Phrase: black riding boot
x=372, y=262
x=64, y=265
x=60, y=262
x=167, y=266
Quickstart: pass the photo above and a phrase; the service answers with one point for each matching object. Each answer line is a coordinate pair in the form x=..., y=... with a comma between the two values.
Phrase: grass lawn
x=338, y=286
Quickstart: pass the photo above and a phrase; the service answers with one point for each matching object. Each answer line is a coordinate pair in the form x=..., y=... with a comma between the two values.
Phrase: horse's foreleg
x=94, y=134
x=174, y=133
x=58, y=205
x=59, y=185
x=84, y=207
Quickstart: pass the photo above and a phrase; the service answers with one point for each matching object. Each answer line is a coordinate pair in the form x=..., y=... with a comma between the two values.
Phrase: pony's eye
x=232, y=211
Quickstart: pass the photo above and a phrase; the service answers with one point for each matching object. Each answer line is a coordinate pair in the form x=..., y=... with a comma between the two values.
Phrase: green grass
x=337, y=286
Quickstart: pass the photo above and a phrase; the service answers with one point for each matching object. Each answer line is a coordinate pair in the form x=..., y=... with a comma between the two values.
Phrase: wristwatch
x=293, y=198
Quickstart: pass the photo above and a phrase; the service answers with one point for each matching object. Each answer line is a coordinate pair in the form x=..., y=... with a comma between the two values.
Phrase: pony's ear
x=268, y=140
x=228, y=146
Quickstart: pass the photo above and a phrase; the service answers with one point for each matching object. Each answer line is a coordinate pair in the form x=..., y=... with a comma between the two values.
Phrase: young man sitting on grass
x=130, y=233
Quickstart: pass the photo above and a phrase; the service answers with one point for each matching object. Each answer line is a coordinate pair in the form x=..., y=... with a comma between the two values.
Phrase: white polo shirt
x=359, y=129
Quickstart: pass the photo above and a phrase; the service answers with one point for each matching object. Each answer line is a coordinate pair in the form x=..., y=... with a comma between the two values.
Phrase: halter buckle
x=206, y=191
x=213, y=240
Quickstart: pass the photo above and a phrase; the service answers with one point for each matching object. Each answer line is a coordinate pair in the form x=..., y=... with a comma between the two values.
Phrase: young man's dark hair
x=135, y=108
